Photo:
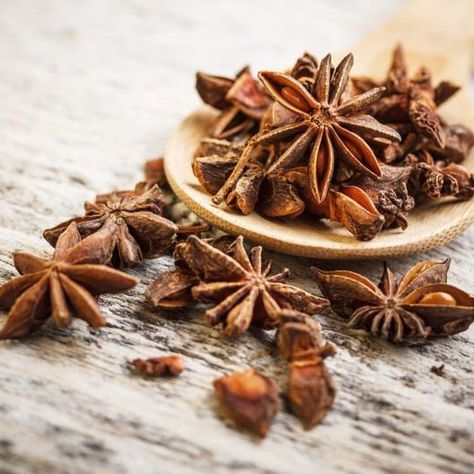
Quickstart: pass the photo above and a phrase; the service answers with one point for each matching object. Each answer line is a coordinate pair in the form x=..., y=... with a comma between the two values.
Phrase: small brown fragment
x=438, y=370
x=172, y=290
x=158, y=366
x=248, y=399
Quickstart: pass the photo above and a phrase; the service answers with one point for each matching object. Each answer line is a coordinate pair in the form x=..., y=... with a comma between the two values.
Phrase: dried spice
x=412, y=101
x=322, y=144
x=172, y=290
x=324, y=132
x=64, y=286
x=438, y=370
x=417, y=306
x=139, y=229
x=241, y=101
x=238, y=284
x=311, y=390
x=434, y=180
x=248, y=399
x=158, y=366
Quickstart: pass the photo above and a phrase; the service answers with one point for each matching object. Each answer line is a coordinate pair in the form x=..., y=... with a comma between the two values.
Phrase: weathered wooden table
x=91, y=89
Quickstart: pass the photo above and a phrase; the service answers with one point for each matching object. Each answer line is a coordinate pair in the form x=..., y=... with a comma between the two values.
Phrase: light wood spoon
x=434, y=34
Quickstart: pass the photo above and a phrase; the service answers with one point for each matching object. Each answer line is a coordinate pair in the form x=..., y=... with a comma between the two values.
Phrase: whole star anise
x=241, y=101
x=64, y=286
x=332, y=131
x=311, y=390
x=239, y=285
x=419, y=305
x=139, y=229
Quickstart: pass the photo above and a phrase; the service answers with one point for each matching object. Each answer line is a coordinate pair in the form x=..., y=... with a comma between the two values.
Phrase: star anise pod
x=311, y=390
x=332, y=131
x=239, y=285
x=417, y=306
x=63, y=286
x=140, y=230
x=389, y=194
x=435, y=180
x=248, y=399
x=410, y=100
x=241, y=101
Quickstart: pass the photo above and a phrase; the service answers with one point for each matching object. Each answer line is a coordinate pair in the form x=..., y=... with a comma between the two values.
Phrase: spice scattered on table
x=64, y=286
x=438, y=370
x=238, y=284
x=248, y=399
x=419, y=305
x=158, y=366
x=311, y=390
x=139, y=229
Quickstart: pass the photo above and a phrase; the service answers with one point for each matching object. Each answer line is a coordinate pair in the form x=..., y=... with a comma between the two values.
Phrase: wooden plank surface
x=91, y=89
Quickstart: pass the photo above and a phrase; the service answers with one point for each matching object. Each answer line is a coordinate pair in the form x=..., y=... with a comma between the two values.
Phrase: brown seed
x=294, y=99
x=438, y=298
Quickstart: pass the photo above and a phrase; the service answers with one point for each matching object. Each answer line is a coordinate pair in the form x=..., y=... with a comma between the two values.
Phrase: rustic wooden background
x=91, y=89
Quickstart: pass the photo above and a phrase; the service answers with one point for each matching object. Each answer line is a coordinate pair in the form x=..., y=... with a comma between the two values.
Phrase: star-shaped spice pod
x=419, y=305
x=139, y=229
x=241, y=101
x=62, y=286
x=239, y=285
x=332, y=131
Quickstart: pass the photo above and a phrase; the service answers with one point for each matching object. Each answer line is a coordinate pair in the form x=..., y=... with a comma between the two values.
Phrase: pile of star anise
x=314, y=140
x=310, y=140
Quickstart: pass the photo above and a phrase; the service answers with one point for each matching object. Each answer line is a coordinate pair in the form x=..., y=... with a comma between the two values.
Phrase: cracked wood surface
x=89, y=91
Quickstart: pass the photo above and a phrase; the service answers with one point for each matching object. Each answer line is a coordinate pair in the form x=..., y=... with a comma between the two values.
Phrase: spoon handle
x=439, y=34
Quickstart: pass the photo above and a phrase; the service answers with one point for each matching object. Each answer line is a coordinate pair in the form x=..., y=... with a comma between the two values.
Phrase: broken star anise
x=171, y=365
x=419, y=305
x=435, y=180
x=311, y=390
x=64, y=286
x=410, y=101
x=332, y=131
x=139, y=229
x=239, y=285
x=248, y=399
x=241, y=101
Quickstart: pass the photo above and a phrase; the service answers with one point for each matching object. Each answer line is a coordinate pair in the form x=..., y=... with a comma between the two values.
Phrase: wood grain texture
x=91, y=90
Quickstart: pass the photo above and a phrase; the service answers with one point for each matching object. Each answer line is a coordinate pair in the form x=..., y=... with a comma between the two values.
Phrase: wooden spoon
x=432, y=36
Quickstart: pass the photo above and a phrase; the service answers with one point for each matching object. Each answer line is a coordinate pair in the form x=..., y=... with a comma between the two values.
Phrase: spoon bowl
x=430, y=38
